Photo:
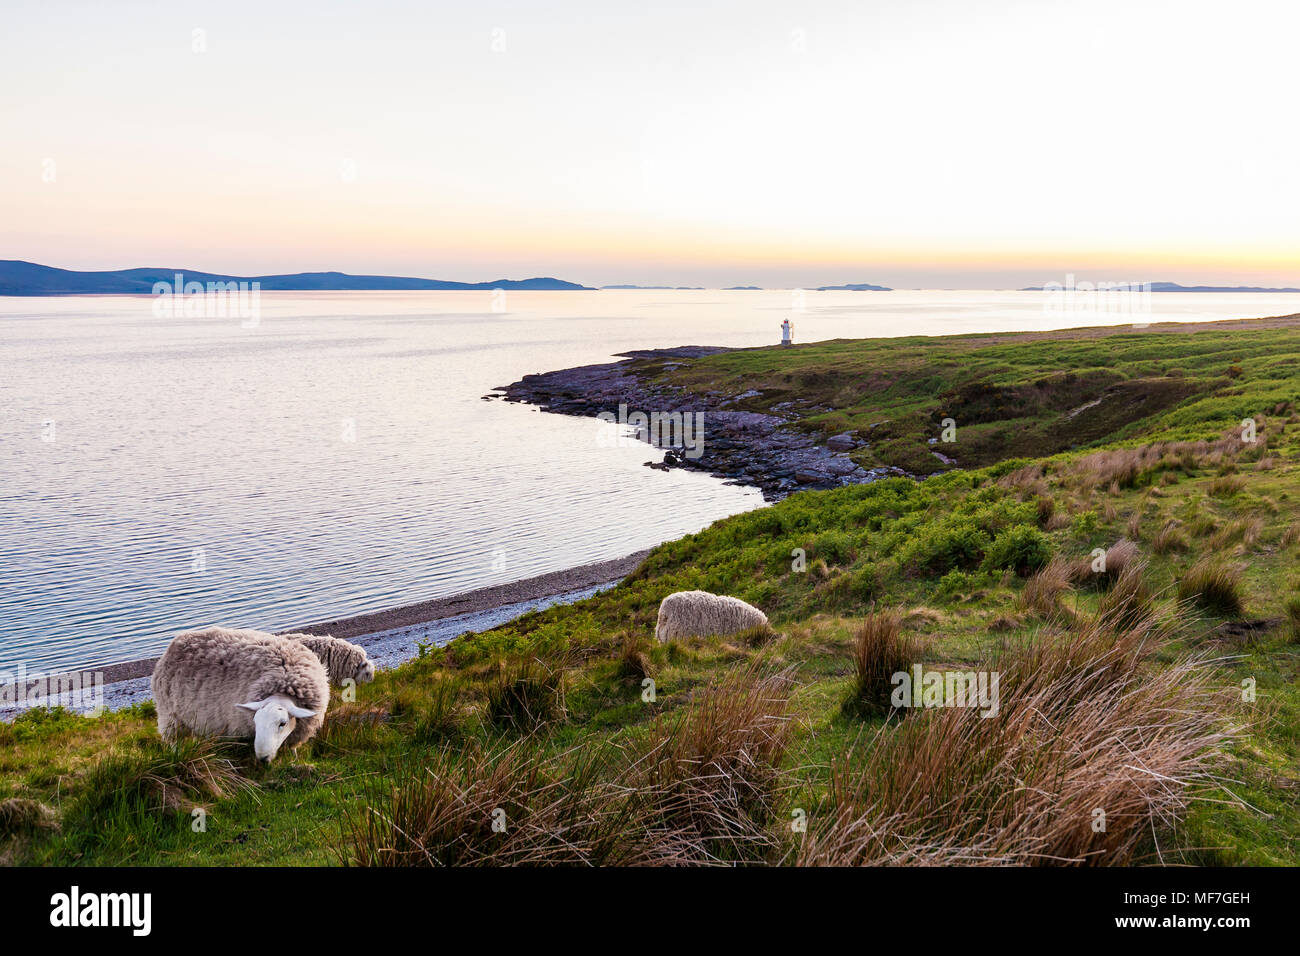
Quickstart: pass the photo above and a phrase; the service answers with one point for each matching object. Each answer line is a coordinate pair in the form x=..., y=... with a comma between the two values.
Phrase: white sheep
x=241, y=683
x=343, y=660
x=699, y=614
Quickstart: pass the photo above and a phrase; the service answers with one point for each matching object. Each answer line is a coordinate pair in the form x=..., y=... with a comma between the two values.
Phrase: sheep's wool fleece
x=699, y=614
x=204, y=676
x=342, y=659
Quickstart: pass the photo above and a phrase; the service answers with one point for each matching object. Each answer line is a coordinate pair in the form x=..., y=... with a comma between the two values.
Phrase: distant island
x=854, y=287
x=673, y=288
x=743, y=288
x=1167, y=287
x=28, y=278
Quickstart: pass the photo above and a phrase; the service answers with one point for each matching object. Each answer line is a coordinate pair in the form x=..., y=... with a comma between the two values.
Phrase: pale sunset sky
x=911, y=143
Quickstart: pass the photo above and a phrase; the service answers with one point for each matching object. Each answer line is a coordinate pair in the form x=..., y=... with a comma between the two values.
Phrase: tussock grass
x=526, y=695
x=1120, y=556
x=1293, y=618
x=1213, y=585
x=158, y=778
x=348, y=726
x=1043, y=593
x=715, y=771
x=21, y=815
x=699, y=788
x=880, y=650
x=1245, y=532
x=634, y=663
x=1168, y=539
x=1226, y=487
x=1082, y=726
x=1129, y=599
x=441, y=716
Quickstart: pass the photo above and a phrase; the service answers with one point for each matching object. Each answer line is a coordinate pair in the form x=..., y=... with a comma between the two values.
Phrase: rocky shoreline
x=762, y=450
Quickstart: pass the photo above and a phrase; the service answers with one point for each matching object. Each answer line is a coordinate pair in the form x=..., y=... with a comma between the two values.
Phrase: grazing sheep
x=341, y=658
x=699, y=613
x=241, y=683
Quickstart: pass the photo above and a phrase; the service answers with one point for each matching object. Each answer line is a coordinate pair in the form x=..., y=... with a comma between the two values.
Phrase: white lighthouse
x=786, y=340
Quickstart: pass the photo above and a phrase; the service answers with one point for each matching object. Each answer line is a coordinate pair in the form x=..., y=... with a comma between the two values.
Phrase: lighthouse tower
x=786, y=340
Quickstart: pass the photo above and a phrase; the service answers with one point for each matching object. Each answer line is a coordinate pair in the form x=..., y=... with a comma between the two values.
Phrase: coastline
x=393, y=635
x=758, y=449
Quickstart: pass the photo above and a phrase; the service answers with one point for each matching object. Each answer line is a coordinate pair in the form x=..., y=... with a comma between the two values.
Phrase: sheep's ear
x=252, y=705
x=300, y=712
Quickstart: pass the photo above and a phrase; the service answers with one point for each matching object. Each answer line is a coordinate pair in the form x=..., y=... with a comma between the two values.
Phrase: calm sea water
x=164, y=473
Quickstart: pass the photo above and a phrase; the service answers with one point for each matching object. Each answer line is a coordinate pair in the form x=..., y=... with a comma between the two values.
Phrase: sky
x=909, y=143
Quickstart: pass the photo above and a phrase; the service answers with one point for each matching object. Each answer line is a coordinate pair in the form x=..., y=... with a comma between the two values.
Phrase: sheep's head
x=366, y=671
x=275, y=717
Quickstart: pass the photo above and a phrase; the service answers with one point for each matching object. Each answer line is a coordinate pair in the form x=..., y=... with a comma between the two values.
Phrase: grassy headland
x=1157, y=686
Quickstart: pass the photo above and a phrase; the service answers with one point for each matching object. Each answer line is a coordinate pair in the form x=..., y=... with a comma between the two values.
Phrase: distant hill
x=854, y=287
x=743, y=288
x=1175, y=287
x=29, y=278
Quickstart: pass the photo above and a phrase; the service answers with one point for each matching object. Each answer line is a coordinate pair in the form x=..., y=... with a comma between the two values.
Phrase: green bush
x=833, y=547
x=869, y=582
x=947, y=547
x=1023, y=549
x=962, y=582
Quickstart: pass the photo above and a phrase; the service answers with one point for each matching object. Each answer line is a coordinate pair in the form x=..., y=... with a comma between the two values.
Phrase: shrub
x=955, y=546
x=1085, y=525
x=961, y=582
x=1023, y=549
x=833, y=547
x=868, y=582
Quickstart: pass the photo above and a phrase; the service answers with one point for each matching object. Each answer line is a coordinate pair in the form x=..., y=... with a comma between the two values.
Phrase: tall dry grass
x=1130, y=467
x=1083, y=725
x=1043, y=593
x=1168, y=539
x=1214, y=585
x=1129, y=600
x=699, y=787
x=880, y=650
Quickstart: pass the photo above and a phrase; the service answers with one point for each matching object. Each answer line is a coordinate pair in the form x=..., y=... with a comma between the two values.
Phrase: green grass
x=1010, y=395
x=976, y=565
